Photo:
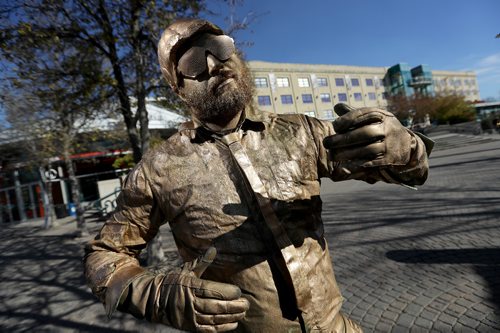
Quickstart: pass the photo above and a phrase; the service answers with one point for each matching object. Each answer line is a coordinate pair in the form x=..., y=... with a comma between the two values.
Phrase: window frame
x=321, y=80
x=263, y=97
x=307, y=101
x=301, y=80
x=323, y=100
x=279, y=81
x=284, y=99
x=260, y=79
x=329, y=111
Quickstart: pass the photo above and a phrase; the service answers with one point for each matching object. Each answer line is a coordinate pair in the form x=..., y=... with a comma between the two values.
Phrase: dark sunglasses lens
x=193, y=62
x=222, y=47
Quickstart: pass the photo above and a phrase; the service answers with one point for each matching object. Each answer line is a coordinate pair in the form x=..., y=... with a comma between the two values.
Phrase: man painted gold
x=240, y=189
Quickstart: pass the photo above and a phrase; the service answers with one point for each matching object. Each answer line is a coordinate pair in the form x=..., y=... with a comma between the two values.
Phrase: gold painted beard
x=216, y=103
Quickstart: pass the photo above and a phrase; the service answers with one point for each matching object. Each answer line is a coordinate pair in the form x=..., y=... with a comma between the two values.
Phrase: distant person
x=241, y=191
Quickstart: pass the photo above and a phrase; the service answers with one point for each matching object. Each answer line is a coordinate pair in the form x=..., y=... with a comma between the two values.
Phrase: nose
x=214, y=64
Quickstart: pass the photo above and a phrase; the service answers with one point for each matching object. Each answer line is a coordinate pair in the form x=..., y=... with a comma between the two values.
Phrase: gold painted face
x=218, y=89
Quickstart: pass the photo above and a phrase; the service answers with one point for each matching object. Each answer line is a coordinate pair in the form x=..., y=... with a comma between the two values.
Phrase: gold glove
x=367, y=137
x=179, y=297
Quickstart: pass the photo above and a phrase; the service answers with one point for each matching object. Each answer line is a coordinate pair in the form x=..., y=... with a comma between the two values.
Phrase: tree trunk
x=75, y=195
x=48, y=207
x=121, y=85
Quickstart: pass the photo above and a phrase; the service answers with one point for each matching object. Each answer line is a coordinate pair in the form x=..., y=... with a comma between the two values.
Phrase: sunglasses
x=194, y=61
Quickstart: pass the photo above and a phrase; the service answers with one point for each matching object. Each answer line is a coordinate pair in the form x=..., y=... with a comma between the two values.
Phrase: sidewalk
x=406, y=261
x=426, y=260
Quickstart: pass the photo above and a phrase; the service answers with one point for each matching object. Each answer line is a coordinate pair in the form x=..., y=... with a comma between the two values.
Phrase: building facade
x=314, y=89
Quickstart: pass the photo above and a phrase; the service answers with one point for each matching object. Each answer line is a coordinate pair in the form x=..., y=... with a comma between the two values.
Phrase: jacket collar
x=249, y=120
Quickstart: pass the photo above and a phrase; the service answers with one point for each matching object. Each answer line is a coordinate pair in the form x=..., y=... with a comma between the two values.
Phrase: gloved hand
x=197, y=305
x=367, y=137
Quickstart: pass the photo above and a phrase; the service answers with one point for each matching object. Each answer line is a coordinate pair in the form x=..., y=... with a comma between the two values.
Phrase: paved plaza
x=406, y=261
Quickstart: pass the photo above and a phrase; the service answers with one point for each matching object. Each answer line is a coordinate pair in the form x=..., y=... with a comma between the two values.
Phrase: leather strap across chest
x=290, y=263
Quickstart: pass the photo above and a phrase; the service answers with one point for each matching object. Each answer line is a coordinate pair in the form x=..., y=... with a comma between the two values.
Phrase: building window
x=355, y=82
x=260, y=82
x=282, y=82
x=310, y=113
x=369, y=82
x=371, y=96
x=339, y=82
x=342, y=97
x=458, y=82
x=358, y=97
x=384, y=95
x=329, y=114
x=264, y=100
x=286, y=99
x=325, y=98
x=307, y=98
x=322, y=82
x=303, y=82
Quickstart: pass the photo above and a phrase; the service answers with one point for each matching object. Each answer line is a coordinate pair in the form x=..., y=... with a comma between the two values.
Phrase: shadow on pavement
x=486, y=262
x=42, y=286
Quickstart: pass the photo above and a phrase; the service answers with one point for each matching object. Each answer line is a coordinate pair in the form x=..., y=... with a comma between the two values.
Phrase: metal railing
x=104, y=206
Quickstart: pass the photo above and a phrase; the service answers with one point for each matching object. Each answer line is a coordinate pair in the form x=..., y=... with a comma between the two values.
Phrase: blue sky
x=444, y=34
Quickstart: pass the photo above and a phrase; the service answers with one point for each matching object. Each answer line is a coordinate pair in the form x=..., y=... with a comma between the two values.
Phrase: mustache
x=217, y=80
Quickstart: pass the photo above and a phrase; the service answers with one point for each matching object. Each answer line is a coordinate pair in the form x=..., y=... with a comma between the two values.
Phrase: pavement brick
x=446, y=318
x=455, y=310
x=391, y=315
x=429, y=314
x=475, y=314
x=459, y=328
x=424, y=323
x=363, y=306
x=464, y=302
x=438, y=305
x=418, y=329
x=383, y=326
x=370, y=299
x=423, y=300
x=441, y=327
x=483, y=328
x=399, y=329
x=469, y=322
x=413, y=309
x=375, y=311
x=370, y=319
x=405, y=320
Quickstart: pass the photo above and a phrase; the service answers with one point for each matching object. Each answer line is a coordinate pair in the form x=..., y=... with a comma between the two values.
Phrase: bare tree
x=123, y=35
x=51, y=96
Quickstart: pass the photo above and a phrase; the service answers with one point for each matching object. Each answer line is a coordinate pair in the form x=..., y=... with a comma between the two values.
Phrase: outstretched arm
x=370, y=144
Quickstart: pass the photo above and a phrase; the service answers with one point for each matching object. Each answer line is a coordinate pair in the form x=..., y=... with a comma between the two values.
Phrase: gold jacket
x=254, y=195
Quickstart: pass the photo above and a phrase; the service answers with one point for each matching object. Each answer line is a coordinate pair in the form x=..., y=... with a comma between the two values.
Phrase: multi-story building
x=315, y=89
